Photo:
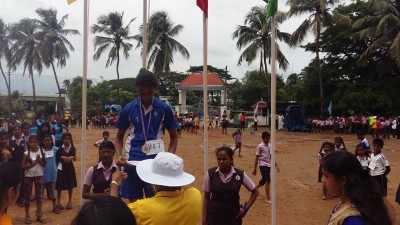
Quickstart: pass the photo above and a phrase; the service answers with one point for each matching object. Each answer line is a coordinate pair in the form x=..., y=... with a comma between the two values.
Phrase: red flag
x=203, y=5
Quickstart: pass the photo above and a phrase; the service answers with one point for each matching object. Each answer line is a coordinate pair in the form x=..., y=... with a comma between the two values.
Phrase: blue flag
x=330, y=108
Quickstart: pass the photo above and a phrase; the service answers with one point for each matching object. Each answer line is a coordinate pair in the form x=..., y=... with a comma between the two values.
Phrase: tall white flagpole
x=205, y=90
x=273, y=120
x=84, y=91
x=144, y=62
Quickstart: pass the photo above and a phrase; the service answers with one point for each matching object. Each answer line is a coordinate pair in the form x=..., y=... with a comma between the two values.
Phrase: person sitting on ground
x=105, y=210
x=99, y=176
x=172, y=204
x=346, y=178
x=10, y=180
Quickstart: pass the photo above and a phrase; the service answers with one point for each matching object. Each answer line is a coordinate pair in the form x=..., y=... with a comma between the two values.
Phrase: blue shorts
x=133, y=187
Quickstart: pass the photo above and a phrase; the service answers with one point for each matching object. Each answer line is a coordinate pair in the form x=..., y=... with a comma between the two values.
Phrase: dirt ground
x=298, y=192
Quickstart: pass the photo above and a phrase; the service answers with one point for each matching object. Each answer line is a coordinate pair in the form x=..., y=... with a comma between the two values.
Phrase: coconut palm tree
x=67, y=85
x=113, y=34
x=383, y=29
x=5, y=53
x=162, y=44
x=255, y=37
x=26, y=50
x=54, y=46
x=318, y=17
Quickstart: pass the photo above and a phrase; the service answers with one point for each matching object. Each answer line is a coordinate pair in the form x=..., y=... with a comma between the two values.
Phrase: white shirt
x=364, y=162
x=36, y=170
x=379, y=162
x=264, y=154
x=394, y=124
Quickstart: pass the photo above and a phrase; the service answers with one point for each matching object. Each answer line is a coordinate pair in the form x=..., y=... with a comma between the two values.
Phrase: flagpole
x=144, y=62
x=273, y=119
x=205, y=89
x=84, y=91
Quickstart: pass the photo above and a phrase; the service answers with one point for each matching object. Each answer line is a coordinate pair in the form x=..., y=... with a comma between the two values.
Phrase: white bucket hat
x=165, y=170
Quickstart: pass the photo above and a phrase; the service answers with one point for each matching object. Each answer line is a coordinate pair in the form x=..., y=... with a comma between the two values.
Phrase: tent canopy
x=113, y=108
x=261, y=105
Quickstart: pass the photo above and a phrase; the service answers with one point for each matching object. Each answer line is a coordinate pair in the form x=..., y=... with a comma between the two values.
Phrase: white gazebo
x=194, y=82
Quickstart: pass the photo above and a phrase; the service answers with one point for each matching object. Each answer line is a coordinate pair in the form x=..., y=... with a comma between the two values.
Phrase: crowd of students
x=351, y=177
x=44, y=167
x=153, y=178
x=377, y=126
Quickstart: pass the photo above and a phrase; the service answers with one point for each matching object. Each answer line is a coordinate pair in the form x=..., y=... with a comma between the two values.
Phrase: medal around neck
x=146, y=148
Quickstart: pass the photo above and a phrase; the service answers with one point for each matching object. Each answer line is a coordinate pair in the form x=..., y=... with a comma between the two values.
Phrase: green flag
x=272, y=7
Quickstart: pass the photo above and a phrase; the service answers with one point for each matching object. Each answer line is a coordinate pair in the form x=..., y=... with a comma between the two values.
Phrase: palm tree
x=114, y=35
x=54, y=46
x=5, y=53
x=162, y=43
x=318, y=11
x=67, y=85
x=383, y=29
x=255, y=37
x=26, y=50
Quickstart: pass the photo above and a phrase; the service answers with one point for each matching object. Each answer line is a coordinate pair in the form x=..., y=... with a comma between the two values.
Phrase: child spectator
x=379, y=166
x=263, y=159
x=5, y=150
x=66, y=177
x=25, y=131
x=237, y=136
x=32, y=164
x=363, y=157
x=50, y=171
x=363, y=140
x=58, y=129
x=45, y=128
x=339, y=144
x=326, y=148
x=106, y=136
x=19, y=146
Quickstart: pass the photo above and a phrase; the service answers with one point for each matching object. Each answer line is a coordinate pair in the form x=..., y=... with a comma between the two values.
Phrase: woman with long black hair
x=361, y=201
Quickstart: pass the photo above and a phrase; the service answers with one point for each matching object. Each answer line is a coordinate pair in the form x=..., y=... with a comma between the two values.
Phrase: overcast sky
x=224, y=15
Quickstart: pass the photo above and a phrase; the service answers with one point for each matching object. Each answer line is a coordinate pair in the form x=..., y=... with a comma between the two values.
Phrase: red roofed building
x=194, y=82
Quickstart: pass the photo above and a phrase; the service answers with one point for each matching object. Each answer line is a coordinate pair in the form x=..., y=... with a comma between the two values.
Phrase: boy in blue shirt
x=145, y=116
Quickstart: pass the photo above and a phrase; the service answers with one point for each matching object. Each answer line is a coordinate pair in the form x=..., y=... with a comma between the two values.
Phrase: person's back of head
x=105, y=210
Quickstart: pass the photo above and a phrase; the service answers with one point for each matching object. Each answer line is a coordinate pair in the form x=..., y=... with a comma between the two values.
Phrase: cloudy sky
x=224, y=15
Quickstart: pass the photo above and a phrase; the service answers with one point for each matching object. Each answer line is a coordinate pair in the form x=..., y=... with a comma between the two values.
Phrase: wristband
x=119, y=154
x=244, y=207
x=116, y=183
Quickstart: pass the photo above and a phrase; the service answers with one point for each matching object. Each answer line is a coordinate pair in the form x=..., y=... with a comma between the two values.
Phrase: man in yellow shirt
x=172, y=204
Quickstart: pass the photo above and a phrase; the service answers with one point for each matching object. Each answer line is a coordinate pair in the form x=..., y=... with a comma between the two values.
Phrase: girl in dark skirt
x=66, y=177
x=221, y=188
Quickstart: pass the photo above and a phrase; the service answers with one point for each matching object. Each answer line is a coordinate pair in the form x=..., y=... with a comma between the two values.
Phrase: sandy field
x=298, y=192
